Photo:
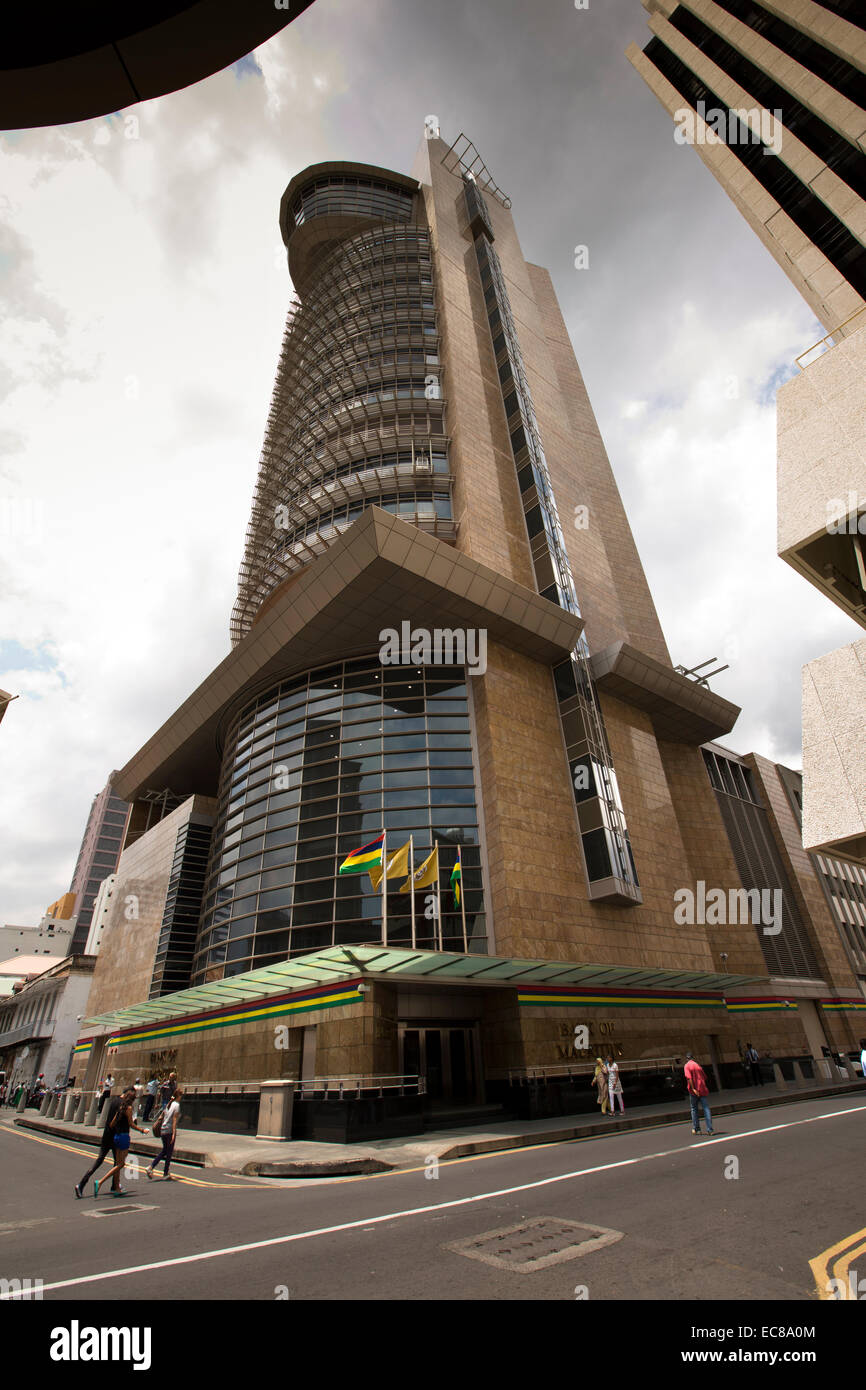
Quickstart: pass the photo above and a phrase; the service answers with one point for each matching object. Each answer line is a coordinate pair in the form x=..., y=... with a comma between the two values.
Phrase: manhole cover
x=535, y=1244
x=119, y=1210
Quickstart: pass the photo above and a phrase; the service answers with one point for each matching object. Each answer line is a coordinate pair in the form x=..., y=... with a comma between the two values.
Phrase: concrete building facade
x=772, y=96
x=97, y=857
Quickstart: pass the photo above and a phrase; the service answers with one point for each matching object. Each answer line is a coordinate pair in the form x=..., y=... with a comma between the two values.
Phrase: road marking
x=23, y=1225
x=370, y=1221
x=838, y=1258
x=89, y=1151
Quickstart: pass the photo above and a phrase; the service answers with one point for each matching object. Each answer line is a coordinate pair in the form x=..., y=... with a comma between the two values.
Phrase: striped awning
x=339, y=963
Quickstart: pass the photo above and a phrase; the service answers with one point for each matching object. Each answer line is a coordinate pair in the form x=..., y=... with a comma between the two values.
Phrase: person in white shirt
x=614, y=1085
x=863, y=1057
x=168, y=1135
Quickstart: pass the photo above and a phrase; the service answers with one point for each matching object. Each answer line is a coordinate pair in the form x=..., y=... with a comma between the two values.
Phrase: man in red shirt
x=696, y=1082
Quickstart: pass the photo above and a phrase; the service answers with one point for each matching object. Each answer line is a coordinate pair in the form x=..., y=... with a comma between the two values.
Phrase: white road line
x=370, y=1221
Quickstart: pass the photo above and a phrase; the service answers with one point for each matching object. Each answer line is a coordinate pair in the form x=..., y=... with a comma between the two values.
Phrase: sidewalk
x=244, y=1154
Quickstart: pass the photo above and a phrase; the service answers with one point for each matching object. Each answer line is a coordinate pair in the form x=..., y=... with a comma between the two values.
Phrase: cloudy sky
x=145, y=290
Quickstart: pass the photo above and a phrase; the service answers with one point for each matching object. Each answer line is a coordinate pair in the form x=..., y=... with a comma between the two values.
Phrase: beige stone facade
x=125, y=962
x=822, y=284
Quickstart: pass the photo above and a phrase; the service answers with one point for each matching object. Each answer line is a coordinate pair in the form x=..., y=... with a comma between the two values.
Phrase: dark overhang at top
x=682, y=710
x=306, y=241
x=82, y=61
x=380, y=573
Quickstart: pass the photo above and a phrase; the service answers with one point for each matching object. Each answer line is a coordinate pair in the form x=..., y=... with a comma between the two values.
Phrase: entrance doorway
x=447, y=1056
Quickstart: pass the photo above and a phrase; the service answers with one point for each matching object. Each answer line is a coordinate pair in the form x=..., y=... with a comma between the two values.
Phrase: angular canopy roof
x=380, y=572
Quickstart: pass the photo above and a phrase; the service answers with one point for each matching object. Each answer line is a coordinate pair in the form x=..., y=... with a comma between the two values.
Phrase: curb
x=340, y=1167
x=658, y=1121
x=147, y=1149
x=351, y=1167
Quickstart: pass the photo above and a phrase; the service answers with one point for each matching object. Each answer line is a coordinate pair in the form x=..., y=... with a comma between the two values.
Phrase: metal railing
x=306, y=1088
x=826, y=342
x=340, y=1087
x=524, y=1076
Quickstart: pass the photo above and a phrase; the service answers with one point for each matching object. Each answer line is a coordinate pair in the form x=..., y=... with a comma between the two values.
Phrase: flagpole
x=412, y=882
x=384, y=888
x=463, y=902
x=438, y=896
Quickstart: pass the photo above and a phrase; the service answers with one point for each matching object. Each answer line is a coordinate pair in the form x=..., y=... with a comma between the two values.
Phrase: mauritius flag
x=360, y=861
x=457, y=879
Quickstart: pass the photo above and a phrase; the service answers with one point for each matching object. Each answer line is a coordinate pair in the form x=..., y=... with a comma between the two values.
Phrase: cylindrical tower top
x=329, y=201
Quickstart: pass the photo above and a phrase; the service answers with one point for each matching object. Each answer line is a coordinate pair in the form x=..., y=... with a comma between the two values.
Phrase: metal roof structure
x=337, y=964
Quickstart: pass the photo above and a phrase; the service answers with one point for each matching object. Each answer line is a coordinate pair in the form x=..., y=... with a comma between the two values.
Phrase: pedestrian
x=120, y=1126
x=105, y=1145
x=149, y=1098
x=168, y=1134
x=167, y=1089
x=696, y=1082
x=106, y=1091
x=863, y=1057
x=139, y=1091
x=754, y=1061
x=599, y=1081
x=615, y=1086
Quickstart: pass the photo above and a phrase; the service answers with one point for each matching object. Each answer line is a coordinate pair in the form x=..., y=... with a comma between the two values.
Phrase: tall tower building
x=772, y=96
x=443, y=632
x=97, y=858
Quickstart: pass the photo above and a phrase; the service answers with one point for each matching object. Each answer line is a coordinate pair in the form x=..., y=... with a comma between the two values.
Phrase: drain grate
x=536, y=1244
x=119, y=1210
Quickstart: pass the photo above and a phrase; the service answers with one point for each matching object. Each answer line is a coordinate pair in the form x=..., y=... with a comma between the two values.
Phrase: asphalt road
x=738, y=1216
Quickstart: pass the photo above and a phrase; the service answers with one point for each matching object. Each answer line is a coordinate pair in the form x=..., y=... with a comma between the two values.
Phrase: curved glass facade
x=358, y=414
x=350, y=195
x=316, y=767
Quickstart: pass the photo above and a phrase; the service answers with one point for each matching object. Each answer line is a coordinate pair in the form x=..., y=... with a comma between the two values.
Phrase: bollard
x=69, y=1107
x=46, y=1101
x=52, y=1106
x=92, y=1112
x=22, y=1102
x=780, y=1080
x=80, y=1108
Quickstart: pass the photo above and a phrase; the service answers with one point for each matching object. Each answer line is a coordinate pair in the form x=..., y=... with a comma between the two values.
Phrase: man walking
x=754, y=1060
x=107, y=1142
x=696, y=1083
x=150, y=1097
x=106, y=1091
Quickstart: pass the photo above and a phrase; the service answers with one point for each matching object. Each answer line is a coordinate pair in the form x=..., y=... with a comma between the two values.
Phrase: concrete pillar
x=780, y=1080
x=69, y=1107
x=52, y=1107
x=23, y=1101
x=80, y=1109
x=275, y=1110
x=799, y=1078
x=849, y=1066
x=46, y=1101
x=93, y=1110
x=826, y=1069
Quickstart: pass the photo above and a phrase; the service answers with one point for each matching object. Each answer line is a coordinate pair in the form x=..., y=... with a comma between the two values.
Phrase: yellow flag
x=425, y=876
x=398, y=865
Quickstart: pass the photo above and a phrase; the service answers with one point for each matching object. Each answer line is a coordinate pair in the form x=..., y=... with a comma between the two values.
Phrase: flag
x=398, y=866
x=457, y=879
x=367, y=857
x=425, y=876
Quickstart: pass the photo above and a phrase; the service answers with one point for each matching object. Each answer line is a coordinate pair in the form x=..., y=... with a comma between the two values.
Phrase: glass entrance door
x=447, y=1058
